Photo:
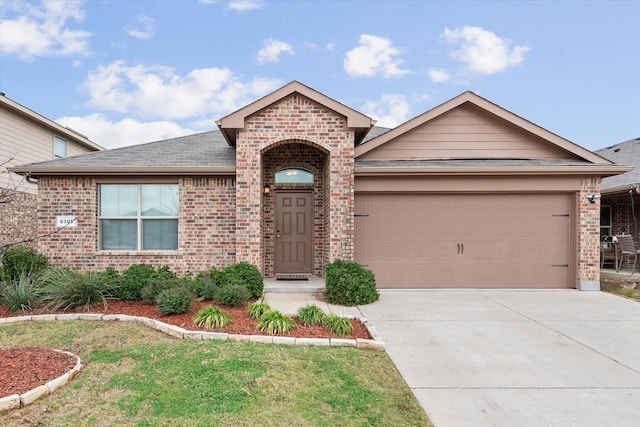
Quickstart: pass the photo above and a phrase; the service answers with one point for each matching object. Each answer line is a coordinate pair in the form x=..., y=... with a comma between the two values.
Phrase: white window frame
x=139, y=218
x=56, y=154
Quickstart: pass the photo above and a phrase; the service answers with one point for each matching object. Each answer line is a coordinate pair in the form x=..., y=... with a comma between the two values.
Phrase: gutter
x=36, y=172
x=600, y=170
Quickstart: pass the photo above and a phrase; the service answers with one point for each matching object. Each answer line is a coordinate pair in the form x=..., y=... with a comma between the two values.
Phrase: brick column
x=589, y=232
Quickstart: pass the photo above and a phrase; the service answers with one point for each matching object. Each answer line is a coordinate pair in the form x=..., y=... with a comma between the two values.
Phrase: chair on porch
x=628, y=248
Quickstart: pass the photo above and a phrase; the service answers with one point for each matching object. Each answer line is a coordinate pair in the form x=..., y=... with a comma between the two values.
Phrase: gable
x=467, y=132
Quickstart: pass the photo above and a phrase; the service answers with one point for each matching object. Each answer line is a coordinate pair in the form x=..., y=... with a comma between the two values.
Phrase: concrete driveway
x=515, y=358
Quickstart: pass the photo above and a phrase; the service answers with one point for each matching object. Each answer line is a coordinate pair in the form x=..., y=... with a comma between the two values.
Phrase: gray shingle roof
x=207, y=149
x=624, y=153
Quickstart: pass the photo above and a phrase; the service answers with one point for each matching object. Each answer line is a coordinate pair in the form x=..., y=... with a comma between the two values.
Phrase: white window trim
x=66, y=147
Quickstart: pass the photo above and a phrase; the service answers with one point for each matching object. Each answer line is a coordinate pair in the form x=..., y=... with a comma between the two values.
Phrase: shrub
x=257, y=309
x=68, y=289
x=245, y=274
x=348, y=283
x=339, y=325
x=232, y=295
x=156, y=285
x=136, y=277
x=206, y=283
x=212, y=317
x=19, y=293
x=174, y=300
x=273, y=322
x=19, y=260
x=311, y=315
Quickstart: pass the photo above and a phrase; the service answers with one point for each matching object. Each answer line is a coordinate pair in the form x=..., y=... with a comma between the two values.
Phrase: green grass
x=628, y=293
x=138, y=377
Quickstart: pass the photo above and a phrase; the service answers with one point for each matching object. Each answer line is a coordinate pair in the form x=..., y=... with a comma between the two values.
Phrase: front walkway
x=515, y=358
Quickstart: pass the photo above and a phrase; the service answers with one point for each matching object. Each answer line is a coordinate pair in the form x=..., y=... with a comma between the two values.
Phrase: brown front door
x=294, y=232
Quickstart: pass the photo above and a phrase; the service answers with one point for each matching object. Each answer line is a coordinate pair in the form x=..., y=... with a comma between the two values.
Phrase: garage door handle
x=460, y=248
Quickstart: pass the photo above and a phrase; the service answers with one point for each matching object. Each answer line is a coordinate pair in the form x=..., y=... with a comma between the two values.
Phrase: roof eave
x=592, y=170
x=124, y=171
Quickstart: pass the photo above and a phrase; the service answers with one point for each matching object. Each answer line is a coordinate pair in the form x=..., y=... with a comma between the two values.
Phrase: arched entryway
x=294, y=209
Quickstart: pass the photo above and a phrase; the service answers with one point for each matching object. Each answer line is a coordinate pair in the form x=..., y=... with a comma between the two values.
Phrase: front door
x=294, y=232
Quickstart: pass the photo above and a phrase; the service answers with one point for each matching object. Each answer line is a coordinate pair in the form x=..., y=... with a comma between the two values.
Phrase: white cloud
x=375, y=55
x=389, y=111
x=272, y=50
x=438, y=75
x=156, y=92
x=142, y=28
x=243, y=5
x=43, y=31
x=125, y=132
x=482, y=51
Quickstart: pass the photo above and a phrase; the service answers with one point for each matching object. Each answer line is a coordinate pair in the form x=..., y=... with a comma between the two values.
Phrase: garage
x=480, y=240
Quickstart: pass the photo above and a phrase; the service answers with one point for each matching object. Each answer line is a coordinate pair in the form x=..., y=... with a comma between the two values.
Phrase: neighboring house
x=467, y=194
x=27, y=137
x=620, y=203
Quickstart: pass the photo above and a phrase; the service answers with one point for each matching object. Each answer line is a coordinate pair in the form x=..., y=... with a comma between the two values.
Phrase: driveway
x=515, y=358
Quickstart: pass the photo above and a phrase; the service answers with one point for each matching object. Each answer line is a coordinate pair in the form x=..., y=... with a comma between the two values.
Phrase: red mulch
x=23, y=369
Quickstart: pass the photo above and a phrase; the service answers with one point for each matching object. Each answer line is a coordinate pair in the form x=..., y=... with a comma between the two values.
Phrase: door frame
x=310, y=230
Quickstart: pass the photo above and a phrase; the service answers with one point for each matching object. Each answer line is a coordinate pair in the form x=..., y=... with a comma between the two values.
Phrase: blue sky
x=125, y=72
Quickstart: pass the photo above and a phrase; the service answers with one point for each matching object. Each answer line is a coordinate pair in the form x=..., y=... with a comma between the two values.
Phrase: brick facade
x=295, y=120
x=589, y=235
x=206, y=223
x=17, y=218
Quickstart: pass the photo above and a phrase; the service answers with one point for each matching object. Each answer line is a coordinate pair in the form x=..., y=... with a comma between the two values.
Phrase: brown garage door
x=465, y=241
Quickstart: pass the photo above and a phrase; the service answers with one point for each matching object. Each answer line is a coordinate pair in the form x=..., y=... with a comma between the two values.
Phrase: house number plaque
x=66, y=221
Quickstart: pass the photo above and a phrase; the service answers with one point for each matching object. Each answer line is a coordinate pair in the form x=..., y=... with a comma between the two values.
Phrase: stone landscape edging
x=15, y=401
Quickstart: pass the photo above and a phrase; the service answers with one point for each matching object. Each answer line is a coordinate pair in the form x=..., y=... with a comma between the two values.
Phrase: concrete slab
x=504, y=358
x=290, y=303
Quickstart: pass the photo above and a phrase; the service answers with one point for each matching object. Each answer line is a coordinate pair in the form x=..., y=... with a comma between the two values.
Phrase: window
x=294, y=176
x=605, y=221
x=138, y=217
x=59, y=148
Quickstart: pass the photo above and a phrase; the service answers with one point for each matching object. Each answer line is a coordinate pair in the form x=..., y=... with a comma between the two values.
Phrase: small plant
x=19, y=294
x=339, y=325
x=19, y=260
x=257, y=309
x=174, y=300
x=67, y=289
x=348, y=283
x=311, y=315
x=207, y=282
x=232, y=295
x=245, y=274
x=212, y=317
x=273, y=322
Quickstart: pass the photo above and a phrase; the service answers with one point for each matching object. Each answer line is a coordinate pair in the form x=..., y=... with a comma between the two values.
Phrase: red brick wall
x=206, y=226
x=588, y=233
x=17, y=219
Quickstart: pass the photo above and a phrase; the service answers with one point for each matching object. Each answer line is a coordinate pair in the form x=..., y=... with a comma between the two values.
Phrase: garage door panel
x=509, y=240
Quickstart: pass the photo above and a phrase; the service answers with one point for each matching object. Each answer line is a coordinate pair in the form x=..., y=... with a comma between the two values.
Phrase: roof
x=42, y=121
x=489, y=107
x=230, y=124
x=624, y=153
x=200, y=154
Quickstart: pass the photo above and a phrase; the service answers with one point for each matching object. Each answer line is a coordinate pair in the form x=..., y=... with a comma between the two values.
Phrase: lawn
x=628, y=293
x=135, y=376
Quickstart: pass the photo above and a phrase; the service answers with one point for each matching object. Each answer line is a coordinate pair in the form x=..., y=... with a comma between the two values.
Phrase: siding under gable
x=466, y=132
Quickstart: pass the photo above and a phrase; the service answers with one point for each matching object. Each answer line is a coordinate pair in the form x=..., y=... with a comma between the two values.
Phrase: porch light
x=266, y=189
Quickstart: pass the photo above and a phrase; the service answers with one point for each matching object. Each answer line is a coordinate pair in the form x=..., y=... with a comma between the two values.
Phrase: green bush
x=348, y=283
x=156, y=285
x=68, y=289
x=207, y=282
x=136, y=277
x=311, y=315
x=174, y=300
x=232, y=295
x=19, y=260
x=20, y=293
x=339, y=325
x=273, y=322
x=257, y=309
x=245, y=274
x=212, y=317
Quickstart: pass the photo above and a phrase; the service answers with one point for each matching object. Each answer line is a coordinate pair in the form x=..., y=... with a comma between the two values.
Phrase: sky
x=124, y=72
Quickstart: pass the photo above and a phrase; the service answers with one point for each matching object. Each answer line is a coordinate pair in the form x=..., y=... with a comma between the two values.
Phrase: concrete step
x=312, y=285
